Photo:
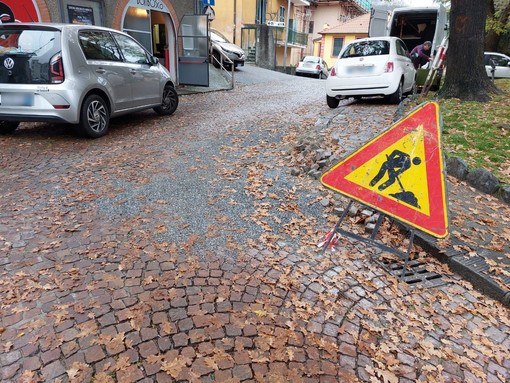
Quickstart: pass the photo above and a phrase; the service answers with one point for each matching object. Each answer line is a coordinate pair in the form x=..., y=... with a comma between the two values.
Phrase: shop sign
x=154, y=5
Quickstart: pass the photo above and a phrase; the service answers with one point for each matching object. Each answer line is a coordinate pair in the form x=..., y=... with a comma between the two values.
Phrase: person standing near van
x=420, y=54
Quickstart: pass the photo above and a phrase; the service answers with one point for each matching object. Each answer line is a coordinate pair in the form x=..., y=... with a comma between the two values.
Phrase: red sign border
x=426, y=114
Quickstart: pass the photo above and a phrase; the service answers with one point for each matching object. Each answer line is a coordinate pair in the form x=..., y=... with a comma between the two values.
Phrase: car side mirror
x=153, y=60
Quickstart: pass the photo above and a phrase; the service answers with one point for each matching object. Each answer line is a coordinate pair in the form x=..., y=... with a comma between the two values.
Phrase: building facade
x=277, y=33
x=334, y=38
x=154, y=23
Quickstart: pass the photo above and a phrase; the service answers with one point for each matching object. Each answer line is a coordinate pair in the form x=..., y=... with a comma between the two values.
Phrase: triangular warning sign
x=400, y=172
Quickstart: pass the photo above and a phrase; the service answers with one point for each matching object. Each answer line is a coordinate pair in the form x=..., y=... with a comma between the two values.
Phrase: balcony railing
x=295, y=38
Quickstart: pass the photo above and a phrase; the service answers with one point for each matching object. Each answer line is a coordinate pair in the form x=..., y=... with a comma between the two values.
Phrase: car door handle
x=132, y=71
x=101, y=70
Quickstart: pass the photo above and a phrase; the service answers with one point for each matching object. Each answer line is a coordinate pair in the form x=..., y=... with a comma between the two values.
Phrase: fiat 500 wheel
x=7, y=127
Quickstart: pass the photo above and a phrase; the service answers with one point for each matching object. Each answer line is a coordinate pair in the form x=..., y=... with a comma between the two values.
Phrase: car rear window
x=367, y=48
x=311, y=59
x=25, y=55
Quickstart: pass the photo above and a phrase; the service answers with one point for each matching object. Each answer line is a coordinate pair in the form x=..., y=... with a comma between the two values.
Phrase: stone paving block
x=148, y=348
x=242, y=372
x=93, y=354
x=32, y=363
x=242, y=357
x=130, y=374
x=180, y=339
x=148, y=333
x=185, y=324
x=9, y=357
x=53, y=370
x=69, y=348
x=29, y=350
x=151, y=369
x=50, y=356
x=197, y=336
x=7, y=372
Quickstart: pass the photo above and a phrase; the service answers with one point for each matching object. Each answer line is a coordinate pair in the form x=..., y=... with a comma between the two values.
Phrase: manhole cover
x=415, y=274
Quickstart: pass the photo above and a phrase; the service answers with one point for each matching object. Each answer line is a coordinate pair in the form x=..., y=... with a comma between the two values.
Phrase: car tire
x=414, y=90
x=216, y=59
x=94, y=117
x=169, y=101
x=396, y=97
x=7, y=127
x=332, y=102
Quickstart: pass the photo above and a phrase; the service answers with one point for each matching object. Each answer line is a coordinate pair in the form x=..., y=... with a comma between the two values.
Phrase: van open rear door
x=378, y=22
x=441, y=28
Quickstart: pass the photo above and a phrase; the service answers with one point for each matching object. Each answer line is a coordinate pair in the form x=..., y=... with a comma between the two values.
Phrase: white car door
x=406, y=65
x=502, y=66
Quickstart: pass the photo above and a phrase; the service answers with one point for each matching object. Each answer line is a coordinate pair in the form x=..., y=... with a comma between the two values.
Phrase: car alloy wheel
x=170, y=101
x=95, y=117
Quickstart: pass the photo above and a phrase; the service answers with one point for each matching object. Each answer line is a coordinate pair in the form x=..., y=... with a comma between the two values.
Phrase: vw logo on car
x=9, y=63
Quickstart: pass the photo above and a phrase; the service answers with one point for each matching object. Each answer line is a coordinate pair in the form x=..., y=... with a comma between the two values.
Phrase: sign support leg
x=371, y=240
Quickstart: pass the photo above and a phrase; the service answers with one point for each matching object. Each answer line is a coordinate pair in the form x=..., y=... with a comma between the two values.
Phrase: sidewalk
x=478, y=247
x=172, y=255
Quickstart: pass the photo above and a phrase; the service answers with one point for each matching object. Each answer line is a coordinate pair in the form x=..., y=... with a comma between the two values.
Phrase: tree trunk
x=466, y=77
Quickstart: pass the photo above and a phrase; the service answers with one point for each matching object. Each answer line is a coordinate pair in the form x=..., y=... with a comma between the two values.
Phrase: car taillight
x=318, y=67
x=56, y=69
x=389, y=67
x=333, y=71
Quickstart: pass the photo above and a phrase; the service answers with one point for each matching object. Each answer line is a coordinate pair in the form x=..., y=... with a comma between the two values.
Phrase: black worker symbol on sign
x=397, y=163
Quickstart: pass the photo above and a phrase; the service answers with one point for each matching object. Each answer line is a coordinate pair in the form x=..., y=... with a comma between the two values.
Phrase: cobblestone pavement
x=181, y=249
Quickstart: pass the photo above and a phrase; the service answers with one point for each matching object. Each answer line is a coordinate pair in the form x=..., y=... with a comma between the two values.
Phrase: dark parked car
x=220, y=44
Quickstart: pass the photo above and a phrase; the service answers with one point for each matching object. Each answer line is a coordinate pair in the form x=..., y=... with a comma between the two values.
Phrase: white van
x=413, y=25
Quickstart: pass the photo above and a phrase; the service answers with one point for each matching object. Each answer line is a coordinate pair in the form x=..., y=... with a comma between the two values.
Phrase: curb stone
x=470, y=268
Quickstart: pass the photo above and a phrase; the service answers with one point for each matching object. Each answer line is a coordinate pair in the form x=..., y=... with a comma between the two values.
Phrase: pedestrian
x=420, y=55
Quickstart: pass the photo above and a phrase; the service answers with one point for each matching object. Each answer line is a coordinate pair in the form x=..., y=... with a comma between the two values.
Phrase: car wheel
x=414, y=90
x=169, y=101
x=7, y=127
x=216, y=59
x=94, y=117
x=396, y=97
x=332, y=102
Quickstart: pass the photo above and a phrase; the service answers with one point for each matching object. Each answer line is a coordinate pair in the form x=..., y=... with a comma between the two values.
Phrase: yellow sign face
x=377, y=175
x=400, y=172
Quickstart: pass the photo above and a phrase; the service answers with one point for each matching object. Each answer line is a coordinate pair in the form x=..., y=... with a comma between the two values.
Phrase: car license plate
x=16, y=99
x=358, y=69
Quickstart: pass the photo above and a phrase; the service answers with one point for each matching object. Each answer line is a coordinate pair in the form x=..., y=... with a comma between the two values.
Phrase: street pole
x=286, y=39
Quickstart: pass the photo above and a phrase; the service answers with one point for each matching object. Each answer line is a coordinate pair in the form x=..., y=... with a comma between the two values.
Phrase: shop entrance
x=155, y=31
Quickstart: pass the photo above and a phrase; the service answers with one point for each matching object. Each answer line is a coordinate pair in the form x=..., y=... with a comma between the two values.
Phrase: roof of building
x=356, y=25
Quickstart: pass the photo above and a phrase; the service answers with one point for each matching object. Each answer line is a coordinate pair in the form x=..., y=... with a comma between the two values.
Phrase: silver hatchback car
x=77, y=74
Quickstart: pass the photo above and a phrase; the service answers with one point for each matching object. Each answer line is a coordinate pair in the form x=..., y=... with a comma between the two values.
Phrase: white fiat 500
x=77, y=74
x=377, y=66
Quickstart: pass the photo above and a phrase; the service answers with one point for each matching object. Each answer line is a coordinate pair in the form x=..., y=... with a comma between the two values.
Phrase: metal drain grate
x=415, y=274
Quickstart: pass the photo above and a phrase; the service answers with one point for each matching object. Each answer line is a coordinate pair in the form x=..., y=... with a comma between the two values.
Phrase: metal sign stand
x=372, y=239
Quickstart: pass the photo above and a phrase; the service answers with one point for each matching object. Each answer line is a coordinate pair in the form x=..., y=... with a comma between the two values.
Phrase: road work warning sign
x=400, y=172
